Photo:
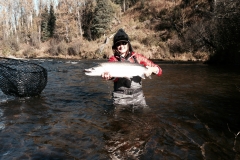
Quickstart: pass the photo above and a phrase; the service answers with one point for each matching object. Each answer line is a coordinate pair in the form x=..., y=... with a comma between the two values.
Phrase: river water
x=193, y=114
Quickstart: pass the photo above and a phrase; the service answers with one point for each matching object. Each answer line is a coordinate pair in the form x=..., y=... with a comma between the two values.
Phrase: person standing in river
x=129, y=91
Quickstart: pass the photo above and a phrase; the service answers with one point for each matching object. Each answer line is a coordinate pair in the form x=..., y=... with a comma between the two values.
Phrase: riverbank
x=167, y=60
x=91, y=50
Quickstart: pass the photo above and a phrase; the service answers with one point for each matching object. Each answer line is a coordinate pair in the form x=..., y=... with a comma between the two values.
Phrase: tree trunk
x=79, y=24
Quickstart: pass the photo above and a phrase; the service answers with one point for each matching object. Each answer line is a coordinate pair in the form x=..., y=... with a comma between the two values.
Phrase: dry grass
x=144, y=39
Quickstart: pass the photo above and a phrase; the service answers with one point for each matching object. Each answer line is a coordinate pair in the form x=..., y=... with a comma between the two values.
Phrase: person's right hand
x=106, y=75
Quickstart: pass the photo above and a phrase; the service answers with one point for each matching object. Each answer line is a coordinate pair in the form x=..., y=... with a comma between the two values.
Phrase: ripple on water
x=74, y=118
x=2, y=125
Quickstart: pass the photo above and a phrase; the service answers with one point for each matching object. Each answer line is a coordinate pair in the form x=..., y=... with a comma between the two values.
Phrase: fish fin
x=144, y=77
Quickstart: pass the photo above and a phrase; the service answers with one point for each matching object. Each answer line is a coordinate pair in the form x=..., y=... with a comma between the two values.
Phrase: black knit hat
x=121, y=36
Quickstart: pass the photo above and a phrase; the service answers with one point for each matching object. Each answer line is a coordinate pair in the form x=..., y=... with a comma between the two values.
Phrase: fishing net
x=21, y=78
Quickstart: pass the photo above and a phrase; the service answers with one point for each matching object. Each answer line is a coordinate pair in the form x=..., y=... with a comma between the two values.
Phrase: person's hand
x=151, y=70
x=106, y=76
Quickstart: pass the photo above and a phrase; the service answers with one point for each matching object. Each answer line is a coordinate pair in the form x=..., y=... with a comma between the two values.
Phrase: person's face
x=122, y=46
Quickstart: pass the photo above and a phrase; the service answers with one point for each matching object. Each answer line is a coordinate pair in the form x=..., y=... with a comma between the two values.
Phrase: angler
x=129, y=91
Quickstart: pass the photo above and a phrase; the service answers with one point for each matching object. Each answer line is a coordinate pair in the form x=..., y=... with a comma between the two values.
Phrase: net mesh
x=21, y=78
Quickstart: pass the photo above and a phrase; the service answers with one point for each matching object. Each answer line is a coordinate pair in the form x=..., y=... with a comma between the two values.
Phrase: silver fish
x=117, y=69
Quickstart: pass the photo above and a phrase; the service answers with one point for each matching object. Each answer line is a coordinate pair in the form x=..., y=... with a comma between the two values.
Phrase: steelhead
x=117, y=69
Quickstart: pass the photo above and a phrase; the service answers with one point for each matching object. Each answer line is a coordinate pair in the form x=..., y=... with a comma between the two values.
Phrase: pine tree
x=103, y=16
x=51, y=21
x=44, y=25
x=48, y=21
x=88, y=15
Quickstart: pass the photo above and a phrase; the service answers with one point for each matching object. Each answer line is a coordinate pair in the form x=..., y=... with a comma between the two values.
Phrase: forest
x=186, y=30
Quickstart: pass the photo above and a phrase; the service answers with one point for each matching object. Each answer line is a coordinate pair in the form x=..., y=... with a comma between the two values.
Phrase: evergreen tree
x=44, y=25
x=48, y=21
x=51, y=21
x=88, y=15
x=102, y=18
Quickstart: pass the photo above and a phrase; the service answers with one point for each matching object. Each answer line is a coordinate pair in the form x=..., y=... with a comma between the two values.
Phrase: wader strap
x=119, y=58
x=128, y=56
x=133, y=56
x=135, y=59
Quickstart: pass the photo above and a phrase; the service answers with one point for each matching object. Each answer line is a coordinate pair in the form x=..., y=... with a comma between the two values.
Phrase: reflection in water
x=127, y=133
x=2, y=124
x=193, y=114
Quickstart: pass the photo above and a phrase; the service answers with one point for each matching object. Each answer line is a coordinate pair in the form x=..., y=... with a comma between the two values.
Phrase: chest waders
x=128, y=92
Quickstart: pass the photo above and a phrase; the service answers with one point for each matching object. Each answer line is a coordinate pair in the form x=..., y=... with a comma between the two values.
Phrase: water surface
x=193, y=114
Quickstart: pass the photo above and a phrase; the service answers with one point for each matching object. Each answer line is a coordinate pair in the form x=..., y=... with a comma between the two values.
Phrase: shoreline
x=173, y=60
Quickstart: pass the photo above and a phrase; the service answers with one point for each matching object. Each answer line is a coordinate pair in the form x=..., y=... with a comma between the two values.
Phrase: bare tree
x=6, y=9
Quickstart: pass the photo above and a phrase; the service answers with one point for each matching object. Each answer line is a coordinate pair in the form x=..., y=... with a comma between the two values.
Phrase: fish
x=118, y=69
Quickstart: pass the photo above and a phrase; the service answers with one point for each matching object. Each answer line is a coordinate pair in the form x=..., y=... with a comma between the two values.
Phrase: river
x=193, y=114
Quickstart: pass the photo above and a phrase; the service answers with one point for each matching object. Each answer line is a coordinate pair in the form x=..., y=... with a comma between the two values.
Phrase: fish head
x=94, y=71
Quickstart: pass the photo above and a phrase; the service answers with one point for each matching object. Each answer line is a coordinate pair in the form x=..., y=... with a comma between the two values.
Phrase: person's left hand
x=151, y=70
